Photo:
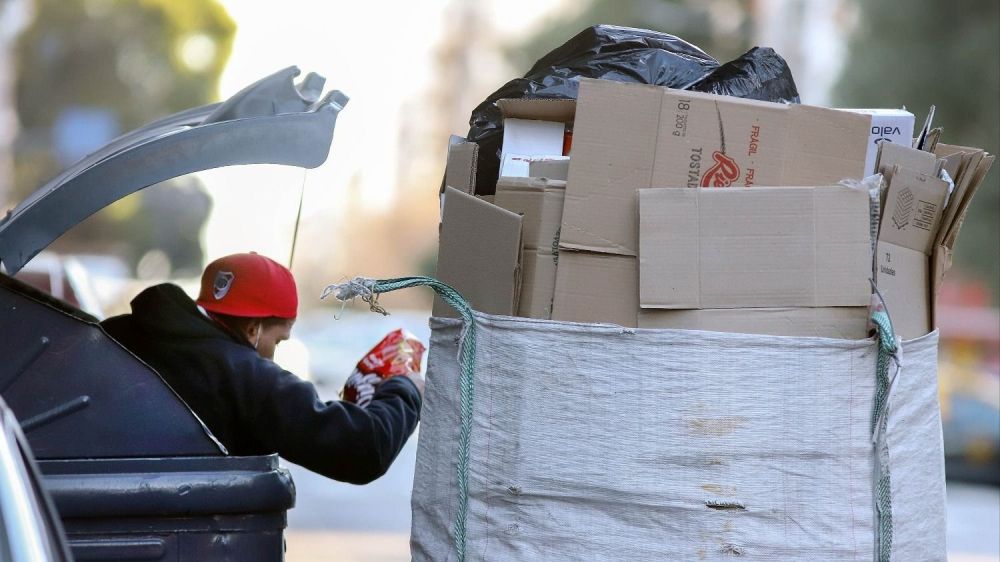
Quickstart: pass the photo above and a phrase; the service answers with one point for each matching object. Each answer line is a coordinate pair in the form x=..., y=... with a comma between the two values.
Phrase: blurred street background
x=74, y=74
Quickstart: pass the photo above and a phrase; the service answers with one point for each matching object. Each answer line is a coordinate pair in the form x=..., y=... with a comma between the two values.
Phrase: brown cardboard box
x=903, y=280
x=603, y=288
x=538, y=284
x=540, y=202
x=842, y=322
x=460, y=171
x=479, y=254
x=629, y=136
x=754, y=248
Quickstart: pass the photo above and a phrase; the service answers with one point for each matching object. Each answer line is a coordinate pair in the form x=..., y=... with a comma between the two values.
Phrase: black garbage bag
x=758, y=74
x=625, y=54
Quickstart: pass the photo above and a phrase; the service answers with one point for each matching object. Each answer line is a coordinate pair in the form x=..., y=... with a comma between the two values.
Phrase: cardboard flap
x=614, y=142
x=561, y=110
x=460, y=171
x=479, y=254
x=754, y=248
x=907, y=158
x=913, y=209
x=823, y=146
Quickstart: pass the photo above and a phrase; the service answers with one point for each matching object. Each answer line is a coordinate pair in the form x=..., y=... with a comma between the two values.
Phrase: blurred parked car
x=970, y=392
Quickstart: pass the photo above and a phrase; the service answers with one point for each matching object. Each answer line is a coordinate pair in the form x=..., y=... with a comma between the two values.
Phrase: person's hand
x=418, y=380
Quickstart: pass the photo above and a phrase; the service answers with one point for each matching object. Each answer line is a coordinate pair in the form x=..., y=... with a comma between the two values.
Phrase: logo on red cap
x=223, y=281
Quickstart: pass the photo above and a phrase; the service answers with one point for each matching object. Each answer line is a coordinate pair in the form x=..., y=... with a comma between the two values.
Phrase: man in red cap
x=217, y=352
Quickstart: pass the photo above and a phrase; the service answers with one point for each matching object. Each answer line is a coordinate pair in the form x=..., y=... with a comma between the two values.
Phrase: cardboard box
x=599, y=288
x=479, y=254
x=527, y=138
x=889, y=126
x=903, y=280
x=631, y=136
x=754, y=248
x=540, y=202
x=913, y=210
x=465, y=160
x=538, y=284
x=842, y=322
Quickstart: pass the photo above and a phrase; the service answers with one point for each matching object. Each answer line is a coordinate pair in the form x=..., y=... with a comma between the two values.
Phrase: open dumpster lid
x=273, y=121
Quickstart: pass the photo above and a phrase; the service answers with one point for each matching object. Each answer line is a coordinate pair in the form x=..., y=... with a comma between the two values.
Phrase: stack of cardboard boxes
x=921, y=216
x=614, y=241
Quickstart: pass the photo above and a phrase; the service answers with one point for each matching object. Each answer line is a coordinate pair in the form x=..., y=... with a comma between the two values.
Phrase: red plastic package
x=399, y=353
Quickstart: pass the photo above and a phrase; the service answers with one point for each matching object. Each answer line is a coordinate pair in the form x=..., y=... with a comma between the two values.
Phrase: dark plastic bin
x=184, y=508
x=133, y=473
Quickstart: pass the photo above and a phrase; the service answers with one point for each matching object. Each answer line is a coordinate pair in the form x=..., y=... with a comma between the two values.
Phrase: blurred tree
x=926, y=52
x=89, y=70
x=721, y=28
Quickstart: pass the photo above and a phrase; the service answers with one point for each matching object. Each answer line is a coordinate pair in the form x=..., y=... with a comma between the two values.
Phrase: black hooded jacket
x=253, y=406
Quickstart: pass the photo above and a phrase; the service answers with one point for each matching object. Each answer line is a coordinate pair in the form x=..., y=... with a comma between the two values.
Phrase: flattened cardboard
x=903, y=281
x=754, y=248
x=631, y=136
x=538, y=283
x=962, y=205
x=913, y=210
x=842, y=322
x=970, y=161
x=479, y=254
x=596, y=288
x=540, y=202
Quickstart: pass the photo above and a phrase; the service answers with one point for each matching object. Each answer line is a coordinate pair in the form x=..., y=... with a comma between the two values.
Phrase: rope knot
x=363, y=287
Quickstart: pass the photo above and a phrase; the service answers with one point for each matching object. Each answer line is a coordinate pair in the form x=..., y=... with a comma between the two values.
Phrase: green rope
x=887, y=350
x=369, y=290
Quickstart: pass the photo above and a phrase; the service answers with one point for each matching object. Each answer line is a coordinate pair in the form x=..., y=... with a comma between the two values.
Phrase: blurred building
x=812, y=37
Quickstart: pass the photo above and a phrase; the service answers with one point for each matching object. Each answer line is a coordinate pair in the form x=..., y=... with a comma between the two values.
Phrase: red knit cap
x=248, y=286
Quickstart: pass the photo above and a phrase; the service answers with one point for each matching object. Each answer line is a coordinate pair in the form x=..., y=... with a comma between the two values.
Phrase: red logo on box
x=723, y=173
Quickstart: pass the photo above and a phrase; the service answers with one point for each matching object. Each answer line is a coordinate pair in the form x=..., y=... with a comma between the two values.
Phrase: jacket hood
x=166, y=310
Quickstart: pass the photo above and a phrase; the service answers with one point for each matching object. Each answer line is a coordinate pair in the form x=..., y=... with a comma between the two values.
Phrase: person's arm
x=336, y=439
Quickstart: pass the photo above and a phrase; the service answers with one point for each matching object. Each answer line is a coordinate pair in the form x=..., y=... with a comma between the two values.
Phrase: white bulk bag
x=595, y=442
